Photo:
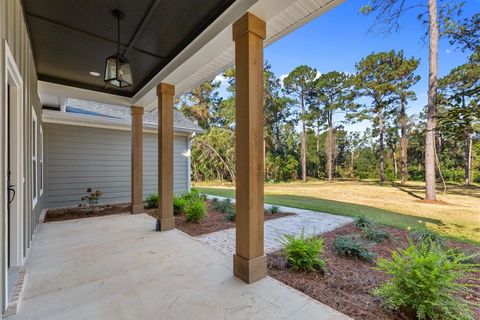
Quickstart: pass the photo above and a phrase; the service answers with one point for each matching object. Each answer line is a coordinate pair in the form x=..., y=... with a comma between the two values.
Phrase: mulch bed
x=62, y=214
x=215, y=221
x=347, y=283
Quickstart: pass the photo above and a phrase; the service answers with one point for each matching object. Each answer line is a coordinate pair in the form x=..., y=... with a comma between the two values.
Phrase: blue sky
x=340, y=38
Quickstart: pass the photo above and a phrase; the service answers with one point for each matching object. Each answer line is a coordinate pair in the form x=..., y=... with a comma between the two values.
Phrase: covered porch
x=118, y=267
x=217, y=36
x=134, y=266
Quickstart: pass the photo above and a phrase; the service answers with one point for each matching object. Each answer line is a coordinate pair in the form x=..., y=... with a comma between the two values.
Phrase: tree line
x=306, y=113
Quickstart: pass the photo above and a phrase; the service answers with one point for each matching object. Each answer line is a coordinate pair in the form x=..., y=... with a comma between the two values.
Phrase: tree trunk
x=303, y=143
x=330, y=148
x=470, y=173
x=430, y=192
x=395, y=164
x=382, y=147
x=351, y=164
x=319, y=172
x=468, y=158
x=403, y=143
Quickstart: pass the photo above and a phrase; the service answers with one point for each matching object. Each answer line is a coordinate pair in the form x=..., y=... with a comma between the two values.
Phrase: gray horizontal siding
x=81, y=157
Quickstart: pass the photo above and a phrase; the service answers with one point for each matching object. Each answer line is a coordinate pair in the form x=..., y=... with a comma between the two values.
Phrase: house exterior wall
x=14, y=38
x=79, y=157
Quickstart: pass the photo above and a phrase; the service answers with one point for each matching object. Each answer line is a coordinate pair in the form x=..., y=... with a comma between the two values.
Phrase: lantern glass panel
x=111, y=68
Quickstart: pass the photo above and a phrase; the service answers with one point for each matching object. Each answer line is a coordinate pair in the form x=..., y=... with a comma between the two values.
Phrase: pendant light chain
x=118, y=33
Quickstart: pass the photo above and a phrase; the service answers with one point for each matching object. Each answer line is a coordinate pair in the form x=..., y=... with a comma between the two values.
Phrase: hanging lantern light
x=118, y=72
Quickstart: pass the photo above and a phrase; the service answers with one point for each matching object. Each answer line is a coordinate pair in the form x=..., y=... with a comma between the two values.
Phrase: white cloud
x=448, y=51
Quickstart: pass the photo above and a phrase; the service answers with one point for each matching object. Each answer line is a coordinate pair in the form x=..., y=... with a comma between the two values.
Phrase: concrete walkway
x=310, y=221
x=117, y=267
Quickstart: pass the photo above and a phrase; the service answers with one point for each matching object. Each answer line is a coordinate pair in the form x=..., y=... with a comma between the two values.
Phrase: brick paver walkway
x=310, y=221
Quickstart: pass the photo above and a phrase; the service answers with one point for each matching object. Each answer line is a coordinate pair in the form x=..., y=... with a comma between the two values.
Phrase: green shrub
x=362, y=221
x=195, y=210
x=427, y=236
x=230, y=214
x=192, y=195
x=223, y=206
x=179, y=204
x=427, y=279
x=352, y=248
x=470, y=256
x=303, y=252
x=374, y=234
x=152, y=200
x=273, y=210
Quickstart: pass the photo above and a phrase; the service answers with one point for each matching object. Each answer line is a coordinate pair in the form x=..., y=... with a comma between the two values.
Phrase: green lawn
x=380, y=216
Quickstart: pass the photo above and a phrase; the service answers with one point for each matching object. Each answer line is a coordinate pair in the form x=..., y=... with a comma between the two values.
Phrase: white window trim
x=41, y=172
x=34, y=158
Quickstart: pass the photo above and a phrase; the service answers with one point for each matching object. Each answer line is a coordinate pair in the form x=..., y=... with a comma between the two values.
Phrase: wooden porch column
x=165, y=220
x=137, y=159
x=249, y=261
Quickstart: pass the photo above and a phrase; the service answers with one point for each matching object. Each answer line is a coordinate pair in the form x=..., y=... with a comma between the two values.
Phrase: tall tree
x=465, y=34
x=298, y=84
x=199, y=104
x=276, y=112
x=389, y=13
x=331, y=92
x=406, y=78
x=375, y=78
x=430, y=178
x=462, y=113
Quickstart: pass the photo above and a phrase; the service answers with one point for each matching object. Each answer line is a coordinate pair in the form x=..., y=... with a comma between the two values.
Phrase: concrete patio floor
x=118, y=267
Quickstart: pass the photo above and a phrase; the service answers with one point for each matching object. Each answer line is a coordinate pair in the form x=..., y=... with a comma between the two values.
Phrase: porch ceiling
x=204, y=55
x=70, y=38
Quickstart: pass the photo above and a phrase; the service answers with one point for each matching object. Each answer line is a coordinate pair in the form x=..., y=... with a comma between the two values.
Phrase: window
x=34, y=158
x=41, y=161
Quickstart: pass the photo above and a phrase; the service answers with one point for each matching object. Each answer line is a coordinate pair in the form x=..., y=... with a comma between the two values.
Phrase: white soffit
x=281, y=16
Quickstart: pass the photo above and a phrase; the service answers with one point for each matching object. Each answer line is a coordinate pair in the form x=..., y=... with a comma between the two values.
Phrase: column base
x=137, y=208
x=250, y=270
x=164, y=224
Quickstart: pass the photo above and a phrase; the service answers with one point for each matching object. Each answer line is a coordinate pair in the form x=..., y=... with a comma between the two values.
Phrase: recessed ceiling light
x=95, y=74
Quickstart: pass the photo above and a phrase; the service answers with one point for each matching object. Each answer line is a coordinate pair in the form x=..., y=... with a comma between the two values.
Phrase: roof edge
x=58, y=117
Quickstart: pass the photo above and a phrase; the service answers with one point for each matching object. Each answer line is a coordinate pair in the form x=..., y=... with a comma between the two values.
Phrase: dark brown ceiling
x=70, y=38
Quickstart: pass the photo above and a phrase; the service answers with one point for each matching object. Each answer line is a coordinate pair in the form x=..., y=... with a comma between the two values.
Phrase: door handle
x=11, y=189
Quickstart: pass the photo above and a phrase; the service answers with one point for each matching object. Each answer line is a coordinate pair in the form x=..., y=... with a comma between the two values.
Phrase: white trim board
x=35, y=194
x=12, y=77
